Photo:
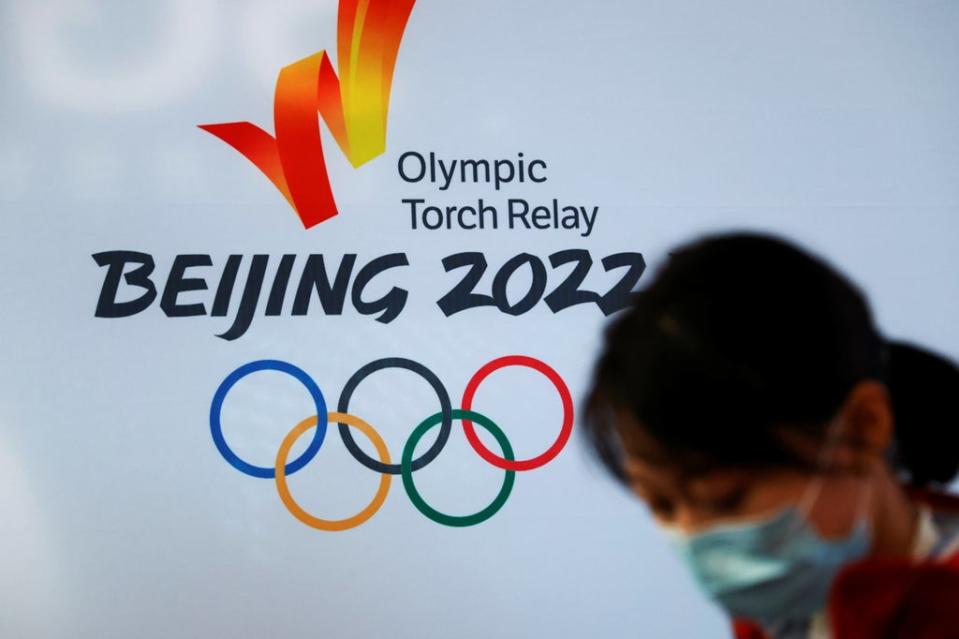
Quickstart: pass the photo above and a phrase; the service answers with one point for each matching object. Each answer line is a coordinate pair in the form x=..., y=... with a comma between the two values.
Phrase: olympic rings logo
x=319, y=423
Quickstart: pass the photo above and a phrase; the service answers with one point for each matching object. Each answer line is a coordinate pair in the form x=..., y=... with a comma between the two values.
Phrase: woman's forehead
x=676, y=472
x=652, y=465
x=646, y=453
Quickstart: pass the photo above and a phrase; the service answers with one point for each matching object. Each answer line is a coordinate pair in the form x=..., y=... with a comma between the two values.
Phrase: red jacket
x=892, y=598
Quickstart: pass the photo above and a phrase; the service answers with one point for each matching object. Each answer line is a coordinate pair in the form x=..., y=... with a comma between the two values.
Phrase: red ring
x=564, y=395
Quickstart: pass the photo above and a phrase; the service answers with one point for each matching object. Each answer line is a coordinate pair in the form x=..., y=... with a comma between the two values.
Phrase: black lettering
x=517, y=213
x=393, y=302
x=568, y=292
x=315, y=278
x=224, y=291
x=251, y=293
x=402, y=162
x=107, y=304
x=176, y=283
x=462, y=297
x=536, y=287
x=274, y=303
x=476, y=164
x=530, y=170
x=621, y=295
x=500, y=179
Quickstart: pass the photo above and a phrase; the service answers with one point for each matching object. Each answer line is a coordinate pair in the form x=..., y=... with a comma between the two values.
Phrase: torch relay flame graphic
x=353, y=105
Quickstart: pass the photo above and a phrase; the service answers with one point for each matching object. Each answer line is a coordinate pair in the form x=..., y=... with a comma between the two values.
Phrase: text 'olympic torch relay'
x=444, y=419
x=353, y=105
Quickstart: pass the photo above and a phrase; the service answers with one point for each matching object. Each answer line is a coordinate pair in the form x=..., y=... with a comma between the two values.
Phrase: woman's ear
x=866, y=426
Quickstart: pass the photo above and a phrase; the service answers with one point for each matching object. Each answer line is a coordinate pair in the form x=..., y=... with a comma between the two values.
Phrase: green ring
x=406, y=469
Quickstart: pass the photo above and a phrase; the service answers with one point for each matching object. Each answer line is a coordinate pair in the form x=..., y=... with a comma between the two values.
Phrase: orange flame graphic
x=354, y=107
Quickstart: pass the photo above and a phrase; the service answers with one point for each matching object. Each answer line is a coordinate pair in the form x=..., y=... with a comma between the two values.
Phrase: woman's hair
x=742, y=335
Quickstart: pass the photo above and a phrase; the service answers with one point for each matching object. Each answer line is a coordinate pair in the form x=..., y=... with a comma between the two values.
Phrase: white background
x=833, y=122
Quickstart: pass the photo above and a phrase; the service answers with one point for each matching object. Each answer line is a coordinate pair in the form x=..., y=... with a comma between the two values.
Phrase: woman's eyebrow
x=686, y=471
x=657, y=460
x=645, y=482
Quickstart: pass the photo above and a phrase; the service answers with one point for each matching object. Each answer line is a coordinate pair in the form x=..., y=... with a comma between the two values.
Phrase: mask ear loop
x=862, y=512
x=808, y=500
x=862, y=508
x=811, y=494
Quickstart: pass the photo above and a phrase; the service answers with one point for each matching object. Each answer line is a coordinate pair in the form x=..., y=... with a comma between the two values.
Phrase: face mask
x=775, y=569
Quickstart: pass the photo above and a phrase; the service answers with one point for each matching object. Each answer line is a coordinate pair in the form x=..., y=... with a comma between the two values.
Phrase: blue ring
x=216, y=429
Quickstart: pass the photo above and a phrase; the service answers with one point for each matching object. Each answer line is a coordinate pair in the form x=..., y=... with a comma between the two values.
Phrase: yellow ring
x=284, y=490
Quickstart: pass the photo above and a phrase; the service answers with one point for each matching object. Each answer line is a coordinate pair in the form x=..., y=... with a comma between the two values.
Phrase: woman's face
x=754, y=569
x=690, y=500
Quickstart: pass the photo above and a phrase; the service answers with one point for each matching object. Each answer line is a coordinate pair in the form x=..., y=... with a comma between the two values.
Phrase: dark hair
x=740, y=335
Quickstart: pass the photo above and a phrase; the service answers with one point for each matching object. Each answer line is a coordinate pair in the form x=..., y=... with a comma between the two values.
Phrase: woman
x=783, y=445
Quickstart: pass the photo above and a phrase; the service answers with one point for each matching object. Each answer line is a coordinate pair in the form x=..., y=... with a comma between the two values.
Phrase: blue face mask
x=772, y=570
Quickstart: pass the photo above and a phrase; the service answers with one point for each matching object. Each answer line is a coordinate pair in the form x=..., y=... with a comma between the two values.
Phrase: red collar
x=935, y=499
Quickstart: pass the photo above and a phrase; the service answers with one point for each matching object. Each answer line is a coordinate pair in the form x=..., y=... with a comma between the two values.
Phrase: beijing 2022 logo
x=444, y=419
x=353, y=105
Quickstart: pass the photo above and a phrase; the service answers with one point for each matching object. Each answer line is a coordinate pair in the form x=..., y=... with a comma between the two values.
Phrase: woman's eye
x=730, y=502
x=662, y=508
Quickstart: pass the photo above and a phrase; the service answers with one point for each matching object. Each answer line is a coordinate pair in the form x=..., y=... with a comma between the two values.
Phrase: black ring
x=446, y=407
